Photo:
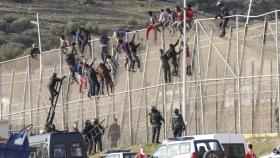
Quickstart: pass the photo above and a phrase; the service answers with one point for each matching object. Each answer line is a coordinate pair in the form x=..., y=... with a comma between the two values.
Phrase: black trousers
x=223, y=24
x=167, y=74
x=89, y=147
x=97, y=141
x=135, y=60
x=177, y=132
x=155, y=134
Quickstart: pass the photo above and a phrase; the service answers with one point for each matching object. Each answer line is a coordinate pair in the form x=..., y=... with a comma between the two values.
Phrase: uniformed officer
x=155, y=120
x=178, y=124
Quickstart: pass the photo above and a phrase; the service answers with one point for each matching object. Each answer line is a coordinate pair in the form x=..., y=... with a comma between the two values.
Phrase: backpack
x=121, y=33
x=104, y=39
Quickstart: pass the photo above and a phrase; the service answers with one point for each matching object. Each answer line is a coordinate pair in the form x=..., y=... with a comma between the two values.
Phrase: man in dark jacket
x=52, y=86
x=114, y=133
x=104, y=47
x=71, y=62
x=94, y=85
x=98, y=132
x=223, y=13
x=165, y=66
x=178, y=124
x=85, y=39
x=87, y=133
x=173, y=55
x=155, y=120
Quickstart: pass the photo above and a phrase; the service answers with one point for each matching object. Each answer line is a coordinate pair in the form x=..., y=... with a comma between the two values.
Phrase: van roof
x=224, y=138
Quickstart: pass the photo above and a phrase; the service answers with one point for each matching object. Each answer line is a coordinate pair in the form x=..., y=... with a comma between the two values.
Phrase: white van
x=234, y=144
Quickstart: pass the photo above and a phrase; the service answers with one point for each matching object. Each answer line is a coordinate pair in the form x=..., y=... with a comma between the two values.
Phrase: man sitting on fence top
x=222, y=14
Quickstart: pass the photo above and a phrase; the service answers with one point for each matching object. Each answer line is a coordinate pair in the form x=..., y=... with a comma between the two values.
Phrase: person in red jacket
x=189, y=15
x=178, y=18
x=151, y=25
x=250, y=153
x=141, y=154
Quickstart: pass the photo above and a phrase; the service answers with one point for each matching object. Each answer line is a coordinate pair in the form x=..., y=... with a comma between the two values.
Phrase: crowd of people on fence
x=96, y=75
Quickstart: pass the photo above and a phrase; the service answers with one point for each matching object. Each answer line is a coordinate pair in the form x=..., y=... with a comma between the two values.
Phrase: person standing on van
x=98, y=132
x=155, y=120
x=87, y=133
x=178, y=124
x=250, y=153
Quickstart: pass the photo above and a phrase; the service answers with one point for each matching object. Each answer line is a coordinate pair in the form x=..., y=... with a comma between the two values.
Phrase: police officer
x=52, y=86
x=222, y=14
x=98, y=132
x=87, y=133
x=178, y=124
x=155, y=120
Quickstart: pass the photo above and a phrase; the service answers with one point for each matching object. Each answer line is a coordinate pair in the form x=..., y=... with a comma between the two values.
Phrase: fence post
x=216, y=106
x=11, y=98
x=24, y=97
x=271, y=100
x=39, y=97
x=199, y=78
x=238, y=76
x=164, y=110
x=92, y=50
x=62, y=92
x=29, y=88
x=129, y=108
x=278, y=68
x=253, y=97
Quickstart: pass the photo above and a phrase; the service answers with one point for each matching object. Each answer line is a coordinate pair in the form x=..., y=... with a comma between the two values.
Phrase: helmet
x=54, y=74
x=87, y=122
x=154, y=108
x=176, y=111
x=220, y=3
x=95, y=121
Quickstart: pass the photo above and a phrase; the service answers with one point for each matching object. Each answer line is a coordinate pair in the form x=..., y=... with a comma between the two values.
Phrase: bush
x=70, y=27
x=11, y=50
x=9, y=19
x=22, y=39
x=131, y=21
x=4, y=25
x=57, y=30
x=20, y=25
x=31, y=33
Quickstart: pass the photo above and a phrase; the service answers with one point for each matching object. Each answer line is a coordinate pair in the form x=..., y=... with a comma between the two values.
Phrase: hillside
x=59, y=17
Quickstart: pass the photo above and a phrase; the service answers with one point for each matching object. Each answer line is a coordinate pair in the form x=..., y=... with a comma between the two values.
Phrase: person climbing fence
x=124, y=46
x=34, y=51
x=112, y=65
x=104, y=47
x=133, y=49
x=172, y=53
x=223, y=13
x=151, y=25
x=81, y=77
x=165, y=66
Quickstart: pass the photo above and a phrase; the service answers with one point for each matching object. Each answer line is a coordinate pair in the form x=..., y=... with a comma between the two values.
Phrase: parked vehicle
x=17, y=145
x=4, y=126
x=58, y=144
x=234, y=144
x=274, y=154
x=189, y=147
x=119, y=154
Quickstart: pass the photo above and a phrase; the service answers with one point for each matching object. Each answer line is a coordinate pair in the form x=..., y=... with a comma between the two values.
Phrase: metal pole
x=238, y=75
x=39, y=38
x=92, y=50
x=24, y=97
x=29, y=88
x=142, y=91
x=39, y=97
x=278, y=68
x=216, y=106
x=164, y=110
x=249, y=11
x=208, y=61
x=199, y=78
x=271, y=100
x=129, y=108
x=253, y=98
x=243, y=49
x=62, y=91
x=11, y=98
x=184, y=104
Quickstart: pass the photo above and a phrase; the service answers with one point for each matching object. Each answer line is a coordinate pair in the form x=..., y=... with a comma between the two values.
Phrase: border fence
x=234, y=86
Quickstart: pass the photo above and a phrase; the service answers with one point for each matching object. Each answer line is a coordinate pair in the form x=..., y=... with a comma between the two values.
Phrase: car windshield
x=160, y=152
x=59, y=150
x=129, y=155
x=76, y=150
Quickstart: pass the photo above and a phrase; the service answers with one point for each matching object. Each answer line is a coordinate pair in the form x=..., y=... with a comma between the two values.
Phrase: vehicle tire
x=211, y=154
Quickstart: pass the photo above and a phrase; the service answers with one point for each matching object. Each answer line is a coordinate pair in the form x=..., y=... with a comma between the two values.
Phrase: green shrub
x=57, y=30
x=10, y=19
x=20, y=25
x=4, y=25
x=11, y=50
x=22, y=39
x=31, y=33
x=70, y=27
x=131, y=21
